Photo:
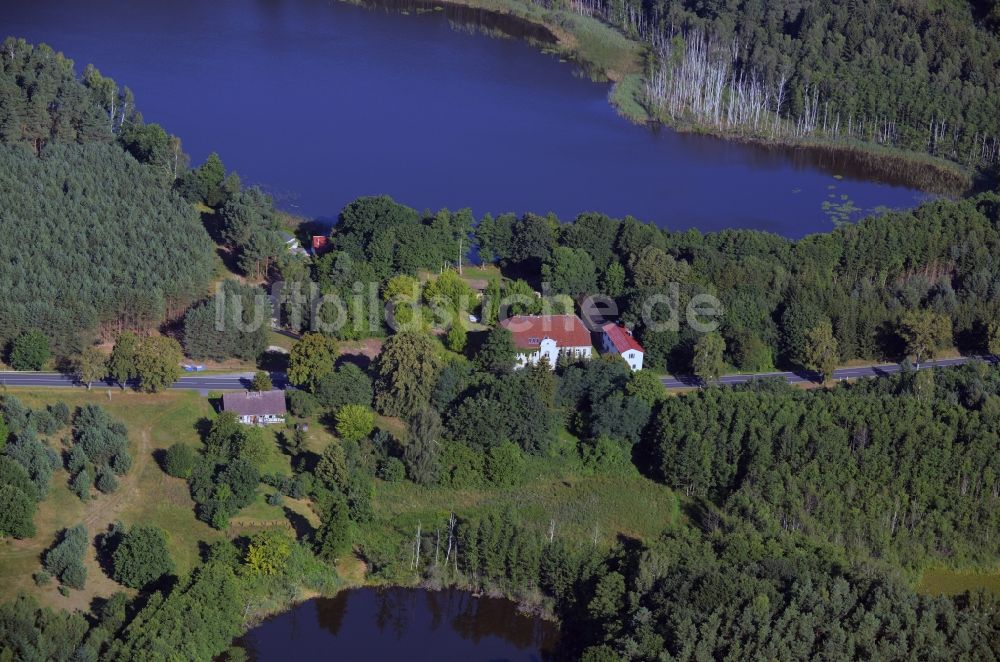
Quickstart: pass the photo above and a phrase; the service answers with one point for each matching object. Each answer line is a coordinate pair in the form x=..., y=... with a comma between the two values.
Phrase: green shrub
x=141, y=557
x=81, y=484
x=461, y=466
x=106, y=480
x=179, y=460
x=302, y=404
x=65, y=559
x=605, y=455
x=75, y=575
x=392, y=470
x=505, y=464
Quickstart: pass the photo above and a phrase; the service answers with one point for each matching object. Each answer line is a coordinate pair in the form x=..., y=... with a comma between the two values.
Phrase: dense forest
x=741, y=594
x=921, y=76
x=861, y=279
x=106, y=248
x=899, y=470
x=94, y=240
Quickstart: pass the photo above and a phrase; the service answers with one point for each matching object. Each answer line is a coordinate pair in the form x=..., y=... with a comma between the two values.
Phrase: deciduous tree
x=925, y=332
x=708, y=363
x=407, y=369
x=654, y=268
x=89, y=366
x=141, y=556
x=821, y=350
x=355, y=422
x=311, y=359
x=158, y=363
x=346, y=385
x=261, y=381
x=613, y=280
x=268, y=553
x=570, y=271
x=122, y=364
x=646, y=385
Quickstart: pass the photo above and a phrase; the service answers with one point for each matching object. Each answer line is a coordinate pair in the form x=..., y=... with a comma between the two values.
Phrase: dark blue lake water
x=321, y=102
x=402, y=624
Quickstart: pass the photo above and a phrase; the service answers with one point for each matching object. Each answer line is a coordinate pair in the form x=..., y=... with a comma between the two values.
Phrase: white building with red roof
x=618, y=340
x=549, y=336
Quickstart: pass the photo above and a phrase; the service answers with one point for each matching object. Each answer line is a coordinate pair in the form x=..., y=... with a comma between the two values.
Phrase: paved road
x=840, y=374
x=241, y=380
x=212, y=382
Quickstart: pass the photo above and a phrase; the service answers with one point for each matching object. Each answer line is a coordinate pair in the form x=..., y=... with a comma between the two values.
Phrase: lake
x=321, y=102
x=402, y=624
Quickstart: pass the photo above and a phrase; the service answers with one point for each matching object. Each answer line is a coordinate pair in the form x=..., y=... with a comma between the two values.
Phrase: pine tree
x=333, y=538
x=422, y=452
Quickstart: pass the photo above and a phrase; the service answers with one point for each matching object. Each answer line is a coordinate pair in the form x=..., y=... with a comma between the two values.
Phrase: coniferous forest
x=94, y=241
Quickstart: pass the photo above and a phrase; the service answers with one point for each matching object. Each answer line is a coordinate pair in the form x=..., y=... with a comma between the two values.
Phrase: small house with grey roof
x=256, y=407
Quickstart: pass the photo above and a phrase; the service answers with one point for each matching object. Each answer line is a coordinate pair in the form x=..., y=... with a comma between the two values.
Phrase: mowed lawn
x=146, y=494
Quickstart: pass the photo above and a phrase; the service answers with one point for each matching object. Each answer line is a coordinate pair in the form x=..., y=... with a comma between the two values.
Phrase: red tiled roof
x=320, y=243
x=529, y=330
x=621, y=338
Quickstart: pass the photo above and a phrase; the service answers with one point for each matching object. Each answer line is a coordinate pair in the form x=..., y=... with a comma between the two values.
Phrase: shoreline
x=606, y=55
x=524, y=607
x=982, y=578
